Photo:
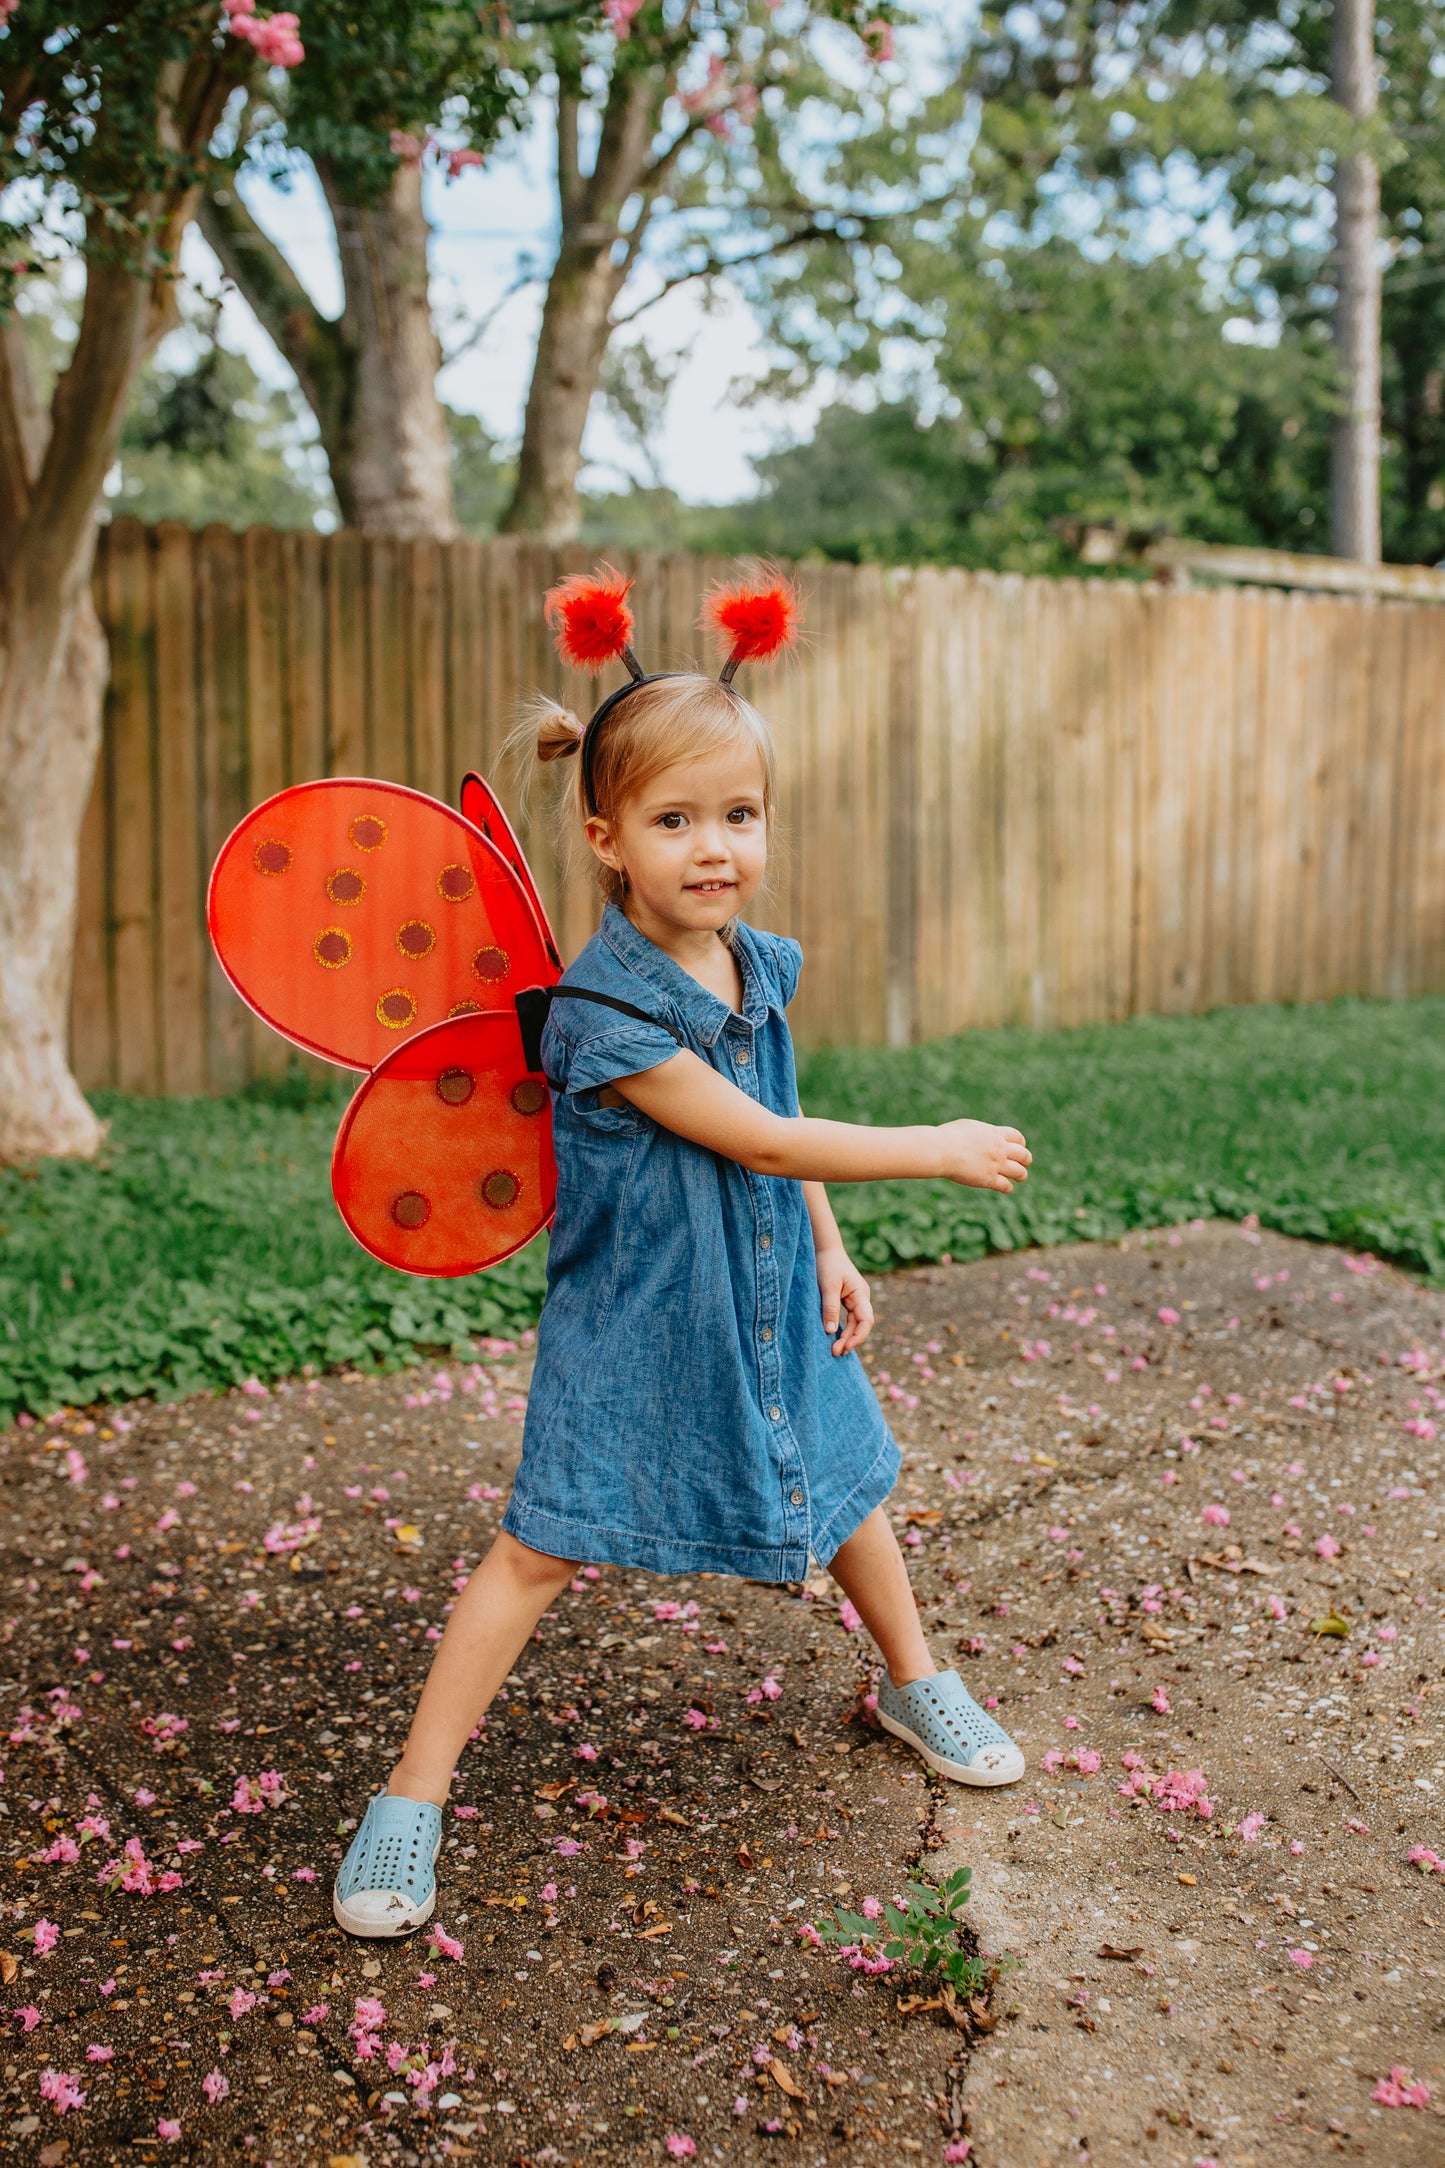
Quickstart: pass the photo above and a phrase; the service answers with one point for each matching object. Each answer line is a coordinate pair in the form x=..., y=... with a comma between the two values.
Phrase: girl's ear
x=600, y=836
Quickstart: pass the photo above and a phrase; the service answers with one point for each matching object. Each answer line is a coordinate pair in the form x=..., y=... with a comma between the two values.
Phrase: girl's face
x=693, y=842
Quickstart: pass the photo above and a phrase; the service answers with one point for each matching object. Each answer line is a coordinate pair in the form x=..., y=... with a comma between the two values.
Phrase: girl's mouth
x=709, y=888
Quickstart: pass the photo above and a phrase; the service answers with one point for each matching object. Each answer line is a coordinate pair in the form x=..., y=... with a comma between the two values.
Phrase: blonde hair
x=683, y=717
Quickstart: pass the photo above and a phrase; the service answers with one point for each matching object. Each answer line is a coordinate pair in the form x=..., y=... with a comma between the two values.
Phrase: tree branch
x=24, y=425
x=621, y=150
x=717, y=265
x=478, y=331
x=313, y=344
x=569, y=164
x=129, y=302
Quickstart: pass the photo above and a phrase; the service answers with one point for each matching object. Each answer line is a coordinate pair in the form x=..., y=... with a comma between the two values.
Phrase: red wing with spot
x=352, y=914
x=482, y=810
x=443, y=1164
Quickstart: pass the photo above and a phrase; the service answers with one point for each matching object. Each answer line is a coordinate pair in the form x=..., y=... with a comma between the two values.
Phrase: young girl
x=698, y=1405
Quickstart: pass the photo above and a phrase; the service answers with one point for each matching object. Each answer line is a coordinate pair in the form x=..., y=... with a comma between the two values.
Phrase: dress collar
x=701, y=1010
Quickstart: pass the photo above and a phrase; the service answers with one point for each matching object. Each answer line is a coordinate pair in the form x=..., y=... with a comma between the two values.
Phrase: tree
x=381, y=80
x=1101, y=123
x=1068, y=397
x=1355, y=469
x=106, y=123
x=680, y=127
x=203, y=439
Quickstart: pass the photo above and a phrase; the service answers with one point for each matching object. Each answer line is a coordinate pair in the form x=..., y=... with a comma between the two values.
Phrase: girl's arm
x=841, y=1285
x=688, y=1097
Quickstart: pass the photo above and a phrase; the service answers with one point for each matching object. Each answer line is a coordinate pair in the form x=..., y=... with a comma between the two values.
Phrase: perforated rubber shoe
x=387, y=1884
x=940, y=1720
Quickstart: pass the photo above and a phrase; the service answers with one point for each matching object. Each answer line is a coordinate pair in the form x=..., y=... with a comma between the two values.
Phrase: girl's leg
x=485, y=1634
x=870, y=1571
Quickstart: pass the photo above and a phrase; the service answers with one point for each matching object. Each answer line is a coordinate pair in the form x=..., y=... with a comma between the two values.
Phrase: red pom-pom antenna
x=758, y=620
x=590, y=620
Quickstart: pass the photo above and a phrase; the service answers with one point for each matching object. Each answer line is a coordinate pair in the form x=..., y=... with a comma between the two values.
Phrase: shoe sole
x=955, y=1771
x=411, y=1918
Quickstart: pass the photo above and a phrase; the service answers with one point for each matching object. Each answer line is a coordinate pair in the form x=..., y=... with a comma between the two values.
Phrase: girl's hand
x=982, y=1157
x=843, y=1288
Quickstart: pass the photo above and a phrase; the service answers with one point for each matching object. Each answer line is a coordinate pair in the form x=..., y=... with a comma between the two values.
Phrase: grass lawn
x=203, y=1248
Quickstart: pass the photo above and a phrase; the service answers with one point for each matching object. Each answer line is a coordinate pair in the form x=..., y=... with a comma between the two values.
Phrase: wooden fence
x=1004, y=800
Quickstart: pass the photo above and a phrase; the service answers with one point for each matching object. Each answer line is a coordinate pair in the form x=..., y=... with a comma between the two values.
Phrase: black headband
x=600, y=715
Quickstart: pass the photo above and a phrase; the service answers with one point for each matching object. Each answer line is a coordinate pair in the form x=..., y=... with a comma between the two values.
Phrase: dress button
x=765, y=1242
x=744, y=1057
x=797, y=1497
x=767, y=1332
x=775, y=1414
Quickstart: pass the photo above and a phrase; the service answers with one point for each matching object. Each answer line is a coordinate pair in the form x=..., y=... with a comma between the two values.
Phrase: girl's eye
x=741, y=813
x=671, y=820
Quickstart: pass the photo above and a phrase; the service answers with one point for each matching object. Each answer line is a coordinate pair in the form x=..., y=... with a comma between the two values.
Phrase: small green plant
x=924, y=1933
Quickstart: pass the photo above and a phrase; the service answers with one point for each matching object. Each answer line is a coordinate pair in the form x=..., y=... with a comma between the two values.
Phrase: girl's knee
x=538, y=1568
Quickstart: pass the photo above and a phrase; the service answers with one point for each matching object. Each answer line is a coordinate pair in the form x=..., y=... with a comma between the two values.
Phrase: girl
x=698, y=1405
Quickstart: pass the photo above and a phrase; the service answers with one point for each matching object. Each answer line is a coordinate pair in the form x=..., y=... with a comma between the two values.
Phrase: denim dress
x=687, y=1413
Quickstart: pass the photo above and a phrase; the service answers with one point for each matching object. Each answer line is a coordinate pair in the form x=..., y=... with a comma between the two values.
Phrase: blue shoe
x=940, y=1719
x=387, y=1884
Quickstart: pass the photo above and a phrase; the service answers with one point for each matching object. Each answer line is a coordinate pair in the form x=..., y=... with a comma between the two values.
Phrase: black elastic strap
x=534, y=1003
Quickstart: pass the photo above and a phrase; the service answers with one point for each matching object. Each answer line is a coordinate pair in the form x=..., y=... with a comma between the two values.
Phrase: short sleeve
x=785, y=958
x=581, y=1056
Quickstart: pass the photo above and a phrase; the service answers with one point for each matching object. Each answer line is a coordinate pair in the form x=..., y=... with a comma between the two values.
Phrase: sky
x=489, y=226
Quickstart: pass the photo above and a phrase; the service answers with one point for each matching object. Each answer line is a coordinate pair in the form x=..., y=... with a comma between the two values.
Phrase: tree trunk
x=53, y=670
x=50, y=723
x=391, y=458
x=576, y=324
x=368, y=376
x=592, y=265
x=53, y=659
x=1355, y=446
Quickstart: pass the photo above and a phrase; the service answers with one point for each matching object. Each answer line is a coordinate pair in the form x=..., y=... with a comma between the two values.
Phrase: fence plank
x=1002, y=799
x=133, y=794
x=181, y=934
x=92, y=1043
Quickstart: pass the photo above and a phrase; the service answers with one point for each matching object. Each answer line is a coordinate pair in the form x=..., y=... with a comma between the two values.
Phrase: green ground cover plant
x=1327, y=1122
x=203, y=1248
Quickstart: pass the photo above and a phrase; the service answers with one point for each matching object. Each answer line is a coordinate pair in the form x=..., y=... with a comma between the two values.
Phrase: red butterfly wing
x=349, y=914
x=481, y=808
x=443, y=1163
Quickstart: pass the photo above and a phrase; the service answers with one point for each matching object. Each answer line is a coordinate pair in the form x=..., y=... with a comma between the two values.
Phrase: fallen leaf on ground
x=784, y=2080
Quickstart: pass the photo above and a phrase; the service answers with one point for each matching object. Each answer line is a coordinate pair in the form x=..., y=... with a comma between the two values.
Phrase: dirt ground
x=219, y=1614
